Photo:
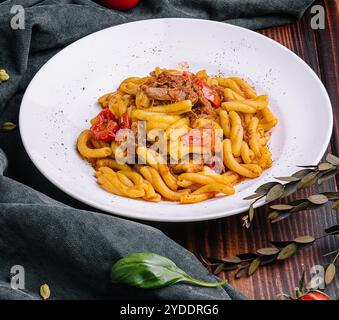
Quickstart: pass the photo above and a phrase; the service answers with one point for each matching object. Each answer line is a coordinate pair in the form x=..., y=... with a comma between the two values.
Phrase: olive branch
x=246, y=264
x=302, y=179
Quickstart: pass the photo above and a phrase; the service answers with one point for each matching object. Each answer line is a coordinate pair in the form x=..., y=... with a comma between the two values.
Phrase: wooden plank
x=226, y=237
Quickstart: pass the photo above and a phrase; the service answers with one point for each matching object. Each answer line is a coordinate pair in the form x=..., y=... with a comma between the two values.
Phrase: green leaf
x=301, y=173
x=288, y=179
x=219, y=268
x=327, y=175
x=325, y=166
x=251, y=213
x=281, y=207
x=281, y=244
x=331, y=195
x=275, y=192
x=290, y=188
x=317, y=199
x=268, y=251
x=252, y=196
x=281, y=216
x=330, y=273
x=241, y=273
x=301, y=206
x=267, y=259
x=150, y=271
x=247, y=256
x=332, y=159
x=308, y=180
x=247, y=219
x=273, y=215
x=287, y=251
x=233, y=259
x=209, y=261
x=253, y=266
x=335, y=205
x=304, y=239
x=301, y=284
x=263, y=189
x=230, y=267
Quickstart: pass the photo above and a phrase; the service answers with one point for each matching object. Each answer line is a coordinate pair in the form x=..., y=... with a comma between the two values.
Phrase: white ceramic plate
x=62, y=98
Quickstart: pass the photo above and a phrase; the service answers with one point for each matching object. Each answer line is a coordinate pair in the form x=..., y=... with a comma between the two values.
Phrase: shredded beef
x=167, y=86
x=172, y=87
x=157, y=93
x=165, y=94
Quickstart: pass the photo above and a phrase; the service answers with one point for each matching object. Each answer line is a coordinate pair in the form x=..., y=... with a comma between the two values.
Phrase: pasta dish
x=179, y=136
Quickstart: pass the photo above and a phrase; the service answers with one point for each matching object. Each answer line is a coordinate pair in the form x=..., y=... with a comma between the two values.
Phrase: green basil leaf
x=151, y=271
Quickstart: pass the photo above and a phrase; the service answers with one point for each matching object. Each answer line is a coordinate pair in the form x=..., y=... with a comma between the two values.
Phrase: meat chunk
x=174, y=87
x=167, y=86
x=165, y=94
x=157, y=93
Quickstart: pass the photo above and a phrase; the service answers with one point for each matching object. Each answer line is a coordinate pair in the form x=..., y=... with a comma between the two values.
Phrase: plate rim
x=128, y=214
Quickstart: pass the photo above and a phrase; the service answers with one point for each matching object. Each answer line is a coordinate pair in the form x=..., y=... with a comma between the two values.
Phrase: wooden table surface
x=226, y=237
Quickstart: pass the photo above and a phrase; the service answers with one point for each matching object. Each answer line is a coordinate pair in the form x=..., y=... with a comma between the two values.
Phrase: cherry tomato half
x=105, y=126
x=209, y=93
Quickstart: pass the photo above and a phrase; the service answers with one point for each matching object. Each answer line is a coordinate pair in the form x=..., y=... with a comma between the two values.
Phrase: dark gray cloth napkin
x=71, y=249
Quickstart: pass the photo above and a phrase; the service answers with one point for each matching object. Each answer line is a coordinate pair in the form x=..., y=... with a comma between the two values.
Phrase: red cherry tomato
x=119, y=4
x=209, y=93
x=124, y=121
x=105, y=126
x=314, y=295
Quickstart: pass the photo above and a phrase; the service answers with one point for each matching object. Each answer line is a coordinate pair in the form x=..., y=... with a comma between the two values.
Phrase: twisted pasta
x=189, y=113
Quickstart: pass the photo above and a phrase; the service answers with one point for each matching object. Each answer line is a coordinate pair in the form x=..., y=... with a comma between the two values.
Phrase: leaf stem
x=335, y=258
x=206, y=284
x=330, y=253
x=323, y=236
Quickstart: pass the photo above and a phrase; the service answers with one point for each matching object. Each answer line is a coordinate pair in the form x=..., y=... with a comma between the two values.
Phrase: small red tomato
x=105, y=126
x=314, y=295
x=209, y=93
x=119, y=4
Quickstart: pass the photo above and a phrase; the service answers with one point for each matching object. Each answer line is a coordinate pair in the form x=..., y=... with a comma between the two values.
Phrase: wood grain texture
x=226, y=237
